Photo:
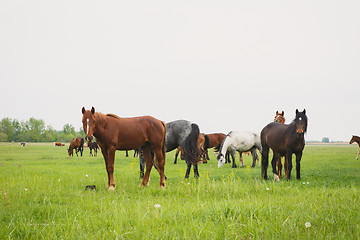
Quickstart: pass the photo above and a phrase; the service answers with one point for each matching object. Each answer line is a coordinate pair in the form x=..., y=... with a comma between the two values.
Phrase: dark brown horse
x=284, y=140
x=213, y=140
x=357, y=140
x=114, y=133
x=279, y=117
x=78, y=145
x=93, y=146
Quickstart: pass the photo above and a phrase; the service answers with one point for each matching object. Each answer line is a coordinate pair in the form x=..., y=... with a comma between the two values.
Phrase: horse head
x=221, y=160
x=279, y=117
x=300, y=123
x=88, y=121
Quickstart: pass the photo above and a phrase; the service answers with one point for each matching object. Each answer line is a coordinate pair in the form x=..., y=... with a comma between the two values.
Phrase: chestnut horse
x=279, y=117
x=213, y=140
x=78, y=145
x=284, y=140
x=115, y=133
x=357, y=140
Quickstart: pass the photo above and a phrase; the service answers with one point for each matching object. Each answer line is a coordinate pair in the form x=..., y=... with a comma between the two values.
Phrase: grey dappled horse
x=185, y=134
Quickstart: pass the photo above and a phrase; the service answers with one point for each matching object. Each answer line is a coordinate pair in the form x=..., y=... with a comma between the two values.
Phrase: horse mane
x=113, y=115
x=222, y=144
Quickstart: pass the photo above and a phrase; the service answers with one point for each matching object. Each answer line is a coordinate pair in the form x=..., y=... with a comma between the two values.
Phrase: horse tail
x=164, y=140
x=191, y=149
x=207, y=142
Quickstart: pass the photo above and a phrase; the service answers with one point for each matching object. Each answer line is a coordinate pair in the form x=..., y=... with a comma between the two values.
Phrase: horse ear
x=83, y=110
x=297, y=111
x=92, y=110
x=304, y=111
x=277, y=112
x=282, y=113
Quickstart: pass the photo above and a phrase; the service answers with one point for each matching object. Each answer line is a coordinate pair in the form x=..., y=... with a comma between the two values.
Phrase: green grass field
x=43, y=196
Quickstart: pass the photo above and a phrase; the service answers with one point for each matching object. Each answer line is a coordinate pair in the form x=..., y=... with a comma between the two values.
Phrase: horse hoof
x=111, y=188
x=162, y=186
x=276, y=177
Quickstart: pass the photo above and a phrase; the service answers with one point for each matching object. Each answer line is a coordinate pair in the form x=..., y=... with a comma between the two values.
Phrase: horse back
x=281, y=138
x=130, y=133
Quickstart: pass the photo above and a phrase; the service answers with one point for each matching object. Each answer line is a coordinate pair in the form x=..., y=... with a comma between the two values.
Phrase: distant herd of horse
x=152, y=138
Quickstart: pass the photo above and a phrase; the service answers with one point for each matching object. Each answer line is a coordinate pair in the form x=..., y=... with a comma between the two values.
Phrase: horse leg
x=188, y=170
x=264, y=162
x=176, y=155
x=289, y=165
x=255, y=157
x=126, y=154
x=241, y=160
x=110, y=167
x=142, y=164
x=160, y=166
x=273, y=163
x=196, y=171
x=298, y=159
x=357, y=157
x=227, y=157
x=233, y=155
x=279, y=165
x=149, y=164
x=90, y=152
x=203, y=156
x=207, y=154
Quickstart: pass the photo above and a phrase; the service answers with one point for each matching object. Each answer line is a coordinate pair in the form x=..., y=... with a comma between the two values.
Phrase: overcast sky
x=225, y=65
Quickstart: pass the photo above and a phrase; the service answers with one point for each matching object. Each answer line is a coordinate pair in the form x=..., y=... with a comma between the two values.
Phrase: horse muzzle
x=299, y=134
x=89, y=139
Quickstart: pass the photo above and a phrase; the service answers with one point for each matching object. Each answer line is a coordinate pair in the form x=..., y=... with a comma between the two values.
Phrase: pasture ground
x=43, y=196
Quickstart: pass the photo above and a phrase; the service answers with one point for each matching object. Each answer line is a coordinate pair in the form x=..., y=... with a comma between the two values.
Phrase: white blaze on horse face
x=221, y=161
x=87, y=126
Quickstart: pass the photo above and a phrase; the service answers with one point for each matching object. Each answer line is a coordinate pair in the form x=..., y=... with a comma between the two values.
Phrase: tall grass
x=42, y=196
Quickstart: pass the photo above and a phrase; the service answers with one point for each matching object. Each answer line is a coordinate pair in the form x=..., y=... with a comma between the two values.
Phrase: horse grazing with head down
x=115, y=133
x=284, y=140
x=357, y=140
x=78, y=145
x=239, y=141
x=213, y=140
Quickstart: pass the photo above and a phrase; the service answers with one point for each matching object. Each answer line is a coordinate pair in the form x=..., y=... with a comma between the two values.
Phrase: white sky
x=225, y=65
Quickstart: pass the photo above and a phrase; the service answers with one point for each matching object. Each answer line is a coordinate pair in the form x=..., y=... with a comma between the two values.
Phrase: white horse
x=242, y=142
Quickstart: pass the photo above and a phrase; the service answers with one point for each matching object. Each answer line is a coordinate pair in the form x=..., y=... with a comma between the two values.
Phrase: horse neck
x=357, y=139
x=225, y=145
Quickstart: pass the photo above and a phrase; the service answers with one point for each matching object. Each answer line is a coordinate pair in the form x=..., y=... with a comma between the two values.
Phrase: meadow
x=43, y=196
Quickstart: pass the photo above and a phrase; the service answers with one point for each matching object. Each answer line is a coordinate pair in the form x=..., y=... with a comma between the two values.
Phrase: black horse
x=284, y=140
x=184, y=134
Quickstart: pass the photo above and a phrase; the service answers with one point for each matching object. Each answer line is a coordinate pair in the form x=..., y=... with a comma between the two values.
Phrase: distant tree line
x=34, y=130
